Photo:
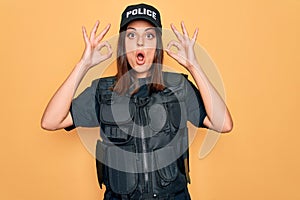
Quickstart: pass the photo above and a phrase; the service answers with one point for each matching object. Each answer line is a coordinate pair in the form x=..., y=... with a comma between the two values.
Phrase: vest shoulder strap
x=173, y=79
x=105, y=86
x=106, y=82
x=177, y=83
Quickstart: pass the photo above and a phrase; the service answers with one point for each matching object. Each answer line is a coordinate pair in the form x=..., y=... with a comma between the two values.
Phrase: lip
x=138, y=55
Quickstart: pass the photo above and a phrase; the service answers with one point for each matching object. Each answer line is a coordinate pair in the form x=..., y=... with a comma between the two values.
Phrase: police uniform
x=143, y=151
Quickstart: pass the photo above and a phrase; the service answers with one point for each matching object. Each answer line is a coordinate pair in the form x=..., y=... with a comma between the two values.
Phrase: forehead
x=140, y=24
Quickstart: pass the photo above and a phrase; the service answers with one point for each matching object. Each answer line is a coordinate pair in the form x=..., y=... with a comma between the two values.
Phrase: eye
x=150, y=36
x=131, y=35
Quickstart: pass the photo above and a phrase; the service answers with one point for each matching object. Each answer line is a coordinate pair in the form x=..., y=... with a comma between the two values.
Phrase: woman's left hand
x=185, y=46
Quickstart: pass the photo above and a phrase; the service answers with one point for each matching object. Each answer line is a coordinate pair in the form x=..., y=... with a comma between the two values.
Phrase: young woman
x=142, y=111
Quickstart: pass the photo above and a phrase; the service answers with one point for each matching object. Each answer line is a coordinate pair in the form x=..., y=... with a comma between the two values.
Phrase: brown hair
x=123, y=80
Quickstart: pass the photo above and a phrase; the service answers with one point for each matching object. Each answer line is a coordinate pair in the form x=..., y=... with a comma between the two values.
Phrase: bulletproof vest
x=144, y=139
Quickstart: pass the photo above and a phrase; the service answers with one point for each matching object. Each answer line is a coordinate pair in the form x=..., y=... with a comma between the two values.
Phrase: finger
x=175, y=44
x=103, y=33
x=85, y=36
x=184, y=31
x=195, y=35
x=172, y=54
x=176, y=32
x=108, y=46
x=109, y=49
x=93, y=32
x=104, y=44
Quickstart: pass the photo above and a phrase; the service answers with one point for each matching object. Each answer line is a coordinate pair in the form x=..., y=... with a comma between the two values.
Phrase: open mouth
x=140, y=57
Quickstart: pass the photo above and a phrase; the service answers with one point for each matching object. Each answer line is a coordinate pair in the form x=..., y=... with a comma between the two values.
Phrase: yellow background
x=255, y=45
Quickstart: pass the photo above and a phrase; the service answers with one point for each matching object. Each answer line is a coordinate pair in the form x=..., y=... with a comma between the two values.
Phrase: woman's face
x=140, y=45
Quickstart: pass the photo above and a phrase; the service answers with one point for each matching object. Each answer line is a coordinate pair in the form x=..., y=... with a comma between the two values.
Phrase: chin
x=141, y=69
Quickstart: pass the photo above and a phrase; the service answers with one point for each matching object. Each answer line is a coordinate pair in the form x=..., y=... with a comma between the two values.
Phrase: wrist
x=83, y=64
x=192, y=65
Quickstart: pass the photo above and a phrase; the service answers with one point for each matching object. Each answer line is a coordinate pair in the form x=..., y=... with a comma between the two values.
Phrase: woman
x=142, y=111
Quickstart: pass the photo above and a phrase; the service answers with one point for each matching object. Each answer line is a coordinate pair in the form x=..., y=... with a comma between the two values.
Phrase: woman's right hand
x=93, y=45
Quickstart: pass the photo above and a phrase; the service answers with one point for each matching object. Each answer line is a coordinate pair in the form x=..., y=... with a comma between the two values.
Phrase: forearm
x=58, y=107
x=216, y=109
x=218, y=117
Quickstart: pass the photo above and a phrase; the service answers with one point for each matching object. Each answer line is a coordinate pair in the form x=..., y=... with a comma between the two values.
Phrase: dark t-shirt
x=85, y=107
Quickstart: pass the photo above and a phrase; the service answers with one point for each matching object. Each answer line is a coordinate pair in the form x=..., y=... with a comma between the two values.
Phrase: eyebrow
x=150, y=28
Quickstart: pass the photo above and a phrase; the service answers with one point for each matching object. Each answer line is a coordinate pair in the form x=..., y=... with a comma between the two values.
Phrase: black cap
x=140, y=11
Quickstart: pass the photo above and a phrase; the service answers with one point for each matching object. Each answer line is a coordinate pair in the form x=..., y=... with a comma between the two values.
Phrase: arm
x=57, y=114
x=218, y=116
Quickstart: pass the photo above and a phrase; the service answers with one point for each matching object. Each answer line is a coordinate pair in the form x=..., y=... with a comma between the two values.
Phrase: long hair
x=123, y=80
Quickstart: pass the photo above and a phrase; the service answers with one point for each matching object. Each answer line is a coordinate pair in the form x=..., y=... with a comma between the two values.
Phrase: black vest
x=144, y=146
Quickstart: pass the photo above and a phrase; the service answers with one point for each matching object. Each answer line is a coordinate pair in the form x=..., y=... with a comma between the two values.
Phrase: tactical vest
x=144, y=146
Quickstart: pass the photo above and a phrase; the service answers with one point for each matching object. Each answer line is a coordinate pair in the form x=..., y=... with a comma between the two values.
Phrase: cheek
x=150, y=44
x=150, y=54
x=150, y=47
x=129, y=48
x=130, y=57
x=130, y=45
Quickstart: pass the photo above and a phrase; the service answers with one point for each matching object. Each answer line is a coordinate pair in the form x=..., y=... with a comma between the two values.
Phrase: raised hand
x=93, y=45
x=185, y=46
x=57, y=114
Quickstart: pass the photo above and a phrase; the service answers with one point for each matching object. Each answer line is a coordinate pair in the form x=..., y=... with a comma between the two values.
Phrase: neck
x=141, y=75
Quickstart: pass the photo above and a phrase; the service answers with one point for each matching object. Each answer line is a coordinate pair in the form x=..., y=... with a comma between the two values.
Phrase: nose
x=140, y=41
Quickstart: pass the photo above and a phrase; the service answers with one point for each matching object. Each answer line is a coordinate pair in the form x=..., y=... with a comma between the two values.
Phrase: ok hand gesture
x=185, y=46
x=93, y=45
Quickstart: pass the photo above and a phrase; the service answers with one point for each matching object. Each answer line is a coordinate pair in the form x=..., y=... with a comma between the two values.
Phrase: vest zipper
x=144, y=152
